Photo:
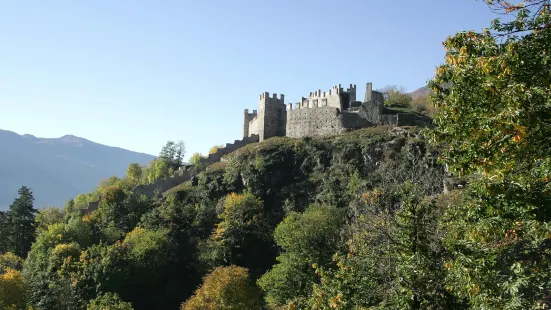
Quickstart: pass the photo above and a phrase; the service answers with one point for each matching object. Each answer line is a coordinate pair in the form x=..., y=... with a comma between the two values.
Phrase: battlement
x=266, y=95
x=320, y=113
x=335, y=90
x=253, y=114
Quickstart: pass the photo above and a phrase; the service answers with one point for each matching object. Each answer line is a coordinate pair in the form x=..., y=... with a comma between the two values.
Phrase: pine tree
x=21, y=222
x=3, y=231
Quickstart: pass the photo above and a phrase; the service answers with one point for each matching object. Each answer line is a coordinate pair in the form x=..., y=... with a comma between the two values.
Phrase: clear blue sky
x=135, y=74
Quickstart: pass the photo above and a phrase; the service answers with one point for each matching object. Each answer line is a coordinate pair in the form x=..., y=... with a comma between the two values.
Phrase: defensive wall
x=181, y=176
x=321, y=121
x=322, y=114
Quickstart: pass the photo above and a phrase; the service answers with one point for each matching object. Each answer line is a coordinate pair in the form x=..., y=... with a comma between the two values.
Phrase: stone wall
x=230, y=147
x=353, y=120
x=247, y=118
x=322, y=121
x=372, y=111
x=161, y=186
x=253, y=127
x=313, y=122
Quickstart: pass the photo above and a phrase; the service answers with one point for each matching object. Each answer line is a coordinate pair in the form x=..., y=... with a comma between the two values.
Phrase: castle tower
x=247, y=118
x=272, y=116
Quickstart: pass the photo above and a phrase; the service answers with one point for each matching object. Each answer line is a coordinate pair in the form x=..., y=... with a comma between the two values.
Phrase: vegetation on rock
x=369, y=219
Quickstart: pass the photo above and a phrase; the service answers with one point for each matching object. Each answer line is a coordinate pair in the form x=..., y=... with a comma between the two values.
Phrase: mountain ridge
x=57, y=169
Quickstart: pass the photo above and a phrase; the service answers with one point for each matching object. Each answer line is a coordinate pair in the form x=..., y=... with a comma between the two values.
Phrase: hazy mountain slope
x=57, y=169
x=420, y=92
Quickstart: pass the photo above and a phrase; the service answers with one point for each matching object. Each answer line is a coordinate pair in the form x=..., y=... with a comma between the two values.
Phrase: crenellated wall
x=230, y=147
x=323, y=113
x=163, y=185
x=336, y=97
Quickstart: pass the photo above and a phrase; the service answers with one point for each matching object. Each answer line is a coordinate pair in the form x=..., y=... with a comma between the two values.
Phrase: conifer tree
x=21, y=222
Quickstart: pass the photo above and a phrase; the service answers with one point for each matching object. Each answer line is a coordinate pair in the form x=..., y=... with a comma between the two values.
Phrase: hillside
x=420, y=92
x=228, y=214
x=57, y=169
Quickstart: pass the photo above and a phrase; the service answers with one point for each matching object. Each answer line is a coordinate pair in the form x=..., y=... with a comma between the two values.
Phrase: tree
x=396, y=97
x=214, y=149
x=158, y=169
x=146, y=248
x=109, y=301
x=243, y=235
x=494, y=122
x=22, y=222
x=226, y=288
x=10, y=261
x=195, y=158
x=12, y=290
x=4, y=231
x=134, y=173
x=173, y=153
x=49, y=216
x=306, y=239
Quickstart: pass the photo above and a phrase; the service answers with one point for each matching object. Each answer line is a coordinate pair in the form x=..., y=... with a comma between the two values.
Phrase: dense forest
x=454, y=216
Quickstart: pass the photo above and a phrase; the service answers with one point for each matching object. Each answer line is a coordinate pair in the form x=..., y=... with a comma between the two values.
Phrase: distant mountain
x=57, y=169
x=421, y=92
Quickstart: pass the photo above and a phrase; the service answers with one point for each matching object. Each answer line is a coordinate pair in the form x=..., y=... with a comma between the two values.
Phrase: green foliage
x=154, y=253
x=10, y=261
x=396, y=97
x=12, y=290
x=4, y=231
x=173, y=153
x=195, y=158
x=242, y=235
x=157, y=169
x=21, y=224
x=146, y=248
x=226, y=288
x=313, y=235
x=494, y=121
x=49, y=216
x=307, y=239
x=214, y=149
x=109, y=301
x=134, y=173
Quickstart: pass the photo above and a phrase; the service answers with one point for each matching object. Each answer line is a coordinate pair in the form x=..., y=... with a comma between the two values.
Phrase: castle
x=321, y=114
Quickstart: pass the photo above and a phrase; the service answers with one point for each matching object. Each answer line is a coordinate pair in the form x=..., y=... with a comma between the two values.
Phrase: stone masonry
x=325, y=113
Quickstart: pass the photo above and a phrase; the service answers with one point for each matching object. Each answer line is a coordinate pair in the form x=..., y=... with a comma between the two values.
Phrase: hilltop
x=183, y=232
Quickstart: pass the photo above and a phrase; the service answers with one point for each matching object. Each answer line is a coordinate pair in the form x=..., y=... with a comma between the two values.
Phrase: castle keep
x=320, y=114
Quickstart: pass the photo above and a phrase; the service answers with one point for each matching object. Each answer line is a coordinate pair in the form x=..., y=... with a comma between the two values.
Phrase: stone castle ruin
x=322, y=114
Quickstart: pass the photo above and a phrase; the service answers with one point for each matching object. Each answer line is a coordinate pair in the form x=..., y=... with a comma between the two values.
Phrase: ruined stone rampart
x=162, y=185
x=180, y=177
x=230, y=147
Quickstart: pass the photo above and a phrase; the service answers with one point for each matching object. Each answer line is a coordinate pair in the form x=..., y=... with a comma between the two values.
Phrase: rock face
x=321, y=114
